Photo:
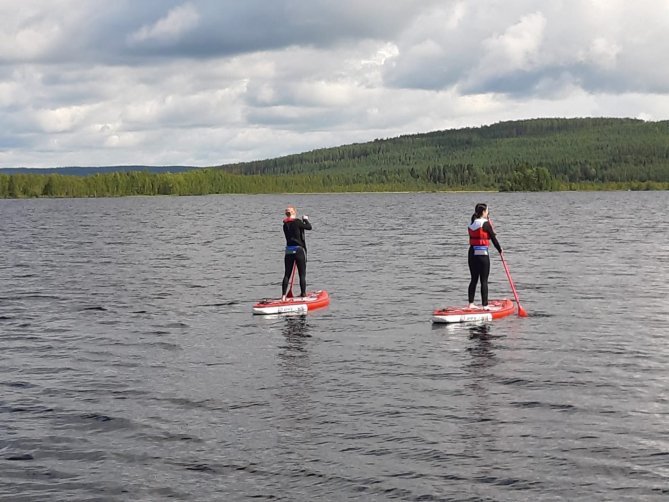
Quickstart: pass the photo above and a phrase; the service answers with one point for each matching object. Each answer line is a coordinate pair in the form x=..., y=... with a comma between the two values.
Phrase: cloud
x=601, y=52
x=518, y=47
x=484, y=49
x=61, y=119
x=30, y=40
x=206, y=82
x=177, y=22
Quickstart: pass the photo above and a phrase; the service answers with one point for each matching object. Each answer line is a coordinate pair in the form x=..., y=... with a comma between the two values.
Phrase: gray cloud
x=518, y=49
x=124, y=30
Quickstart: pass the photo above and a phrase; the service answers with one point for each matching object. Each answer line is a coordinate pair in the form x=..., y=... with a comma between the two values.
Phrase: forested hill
x=527, y=155
x=538, y=153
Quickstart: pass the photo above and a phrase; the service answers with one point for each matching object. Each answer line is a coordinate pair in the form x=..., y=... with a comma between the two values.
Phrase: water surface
x=132, y=369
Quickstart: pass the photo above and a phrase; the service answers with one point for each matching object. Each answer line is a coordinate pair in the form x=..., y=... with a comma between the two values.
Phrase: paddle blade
x=289, y=294
x=522, y=312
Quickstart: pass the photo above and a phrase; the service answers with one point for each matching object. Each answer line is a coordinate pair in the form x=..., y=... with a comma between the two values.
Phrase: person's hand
x=305, y=217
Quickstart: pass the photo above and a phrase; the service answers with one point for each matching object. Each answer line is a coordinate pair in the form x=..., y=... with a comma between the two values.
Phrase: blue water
x=132, y=369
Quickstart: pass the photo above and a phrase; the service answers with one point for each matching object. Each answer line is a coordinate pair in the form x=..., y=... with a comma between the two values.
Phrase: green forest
x=527, y=155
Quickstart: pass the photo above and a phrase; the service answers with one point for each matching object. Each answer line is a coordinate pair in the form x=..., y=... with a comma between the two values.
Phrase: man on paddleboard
x=480, y=235
x=296, y=250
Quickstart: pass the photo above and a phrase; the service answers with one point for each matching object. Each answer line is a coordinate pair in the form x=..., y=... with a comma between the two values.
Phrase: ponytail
x=478, y=211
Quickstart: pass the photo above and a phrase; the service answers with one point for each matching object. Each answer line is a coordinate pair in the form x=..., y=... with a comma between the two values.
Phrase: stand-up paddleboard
x=497, y=309
x=298, y=305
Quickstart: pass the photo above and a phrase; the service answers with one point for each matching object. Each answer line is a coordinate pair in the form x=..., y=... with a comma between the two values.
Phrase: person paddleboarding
x=480, y=234
x=296, y=250
x=295, y=263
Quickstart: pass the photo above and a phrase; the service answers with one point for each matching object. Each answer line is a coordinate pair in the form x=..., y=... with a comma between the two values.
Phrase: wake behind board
x=299, y=305
x=498, y=309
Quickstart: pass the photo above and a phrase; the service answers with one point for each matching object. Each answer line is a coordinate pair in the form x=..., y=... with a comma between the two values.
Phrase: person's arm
x=305, y=223
x=488, y=228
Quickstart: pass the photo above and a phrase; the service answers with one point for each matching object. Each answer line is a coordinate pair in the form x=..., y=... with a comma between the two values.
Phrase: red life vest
x=288, y=220
x=478, y=236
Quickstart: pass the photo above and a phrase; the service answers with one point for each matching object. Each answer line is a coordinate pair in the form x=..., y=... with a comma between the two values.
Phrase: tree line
x=214, y=181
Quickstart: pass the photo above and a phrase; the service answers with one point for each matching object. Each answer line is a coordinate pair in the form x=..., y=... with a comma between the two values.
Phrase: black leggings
x=299, y=258
x=479, y=268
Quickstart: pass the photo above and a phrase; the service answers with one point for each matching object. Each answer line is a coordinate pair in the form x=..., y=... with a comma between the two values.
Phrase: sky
x=210, y=82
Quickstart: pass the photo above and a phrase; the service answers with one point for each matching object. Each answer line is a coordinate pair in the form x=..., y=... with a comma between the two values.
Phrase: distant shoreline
x=396, y=192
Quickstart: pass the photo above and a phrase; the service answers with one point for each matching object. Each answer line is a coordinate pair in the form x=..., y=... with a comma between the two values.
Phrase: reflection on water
x=482, y=352
x=296, y=327
x=482, y=330
x=482, y=434
x=295, y=330
x=295, y=392
x=293, y=352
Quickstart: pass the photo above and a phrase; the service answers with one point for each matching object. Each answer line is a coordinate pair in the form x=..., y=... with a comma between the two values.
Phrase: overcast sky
x=207, y=82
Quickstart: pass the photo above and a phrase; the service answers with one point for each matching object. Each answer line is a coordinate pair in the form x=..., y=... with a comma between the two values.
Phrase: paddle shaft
x=521, y=310
x=508, y=276
x=292, y=278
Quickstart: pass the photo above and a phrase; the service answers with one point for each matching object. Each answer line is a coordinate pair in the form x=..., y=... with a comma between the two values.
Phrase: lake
x=132, y=368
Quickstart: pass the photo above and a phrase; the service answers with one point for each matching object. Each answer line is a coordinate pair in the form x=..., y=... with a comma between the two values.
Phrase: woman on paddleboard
x=480, y=235
x=296, y=250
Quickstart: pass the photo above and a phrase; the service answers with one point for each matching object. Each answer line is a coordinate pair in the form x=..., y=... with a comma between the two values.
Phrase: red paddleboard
x=298, y=305
x=497, y=309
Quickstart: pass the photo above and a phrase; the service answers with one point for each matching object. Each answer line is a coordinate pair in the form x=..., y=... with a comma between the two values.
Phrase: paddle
x=521, y=310
x=292, y=278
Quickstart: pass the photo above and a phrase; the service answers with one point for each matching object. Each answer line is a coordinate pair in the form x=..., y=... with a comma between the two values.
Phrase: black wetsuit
x=479, y=267
x=296, y=253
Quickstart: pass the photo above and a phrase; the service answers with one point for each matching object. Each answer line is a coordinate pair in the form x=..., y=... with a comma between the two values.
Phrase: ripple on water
x=132, y=368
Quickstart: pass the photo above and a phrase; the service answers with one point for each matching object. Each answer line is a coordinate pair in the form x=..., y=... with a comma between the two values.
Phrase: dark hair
x=478, y=210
